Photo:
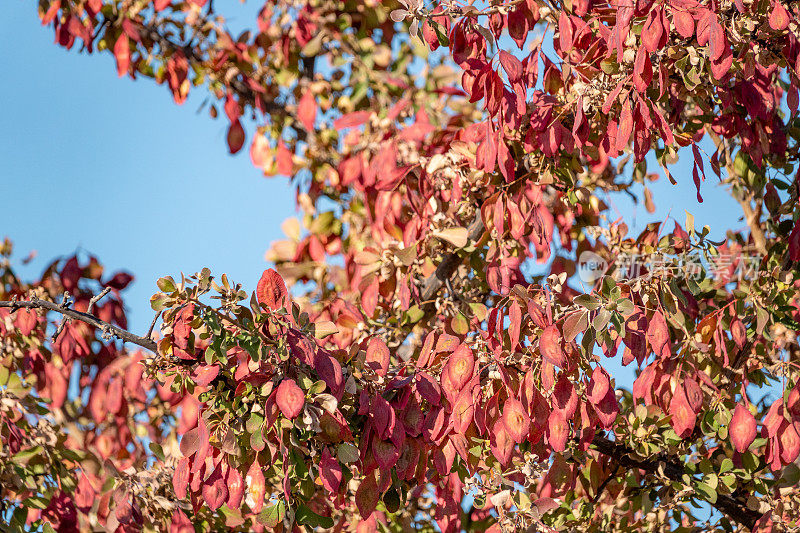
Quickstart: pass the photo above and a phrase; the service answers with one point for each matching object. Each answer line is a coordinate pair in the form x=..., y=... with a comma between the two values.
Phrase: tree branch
x=124, y=335
x=674, y=470
x=449, y=264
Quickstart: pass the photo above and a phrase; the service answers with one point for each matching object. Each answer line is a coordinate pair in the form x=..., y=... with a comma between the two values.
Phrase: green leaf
x=414, y=314
x=601, y=319
x=158, y=301
x=407, y=255
x=166, y=284
x=706, y=492
x=347, y=453
x=22, y=457
x=574, y=324
x=254, y=423
x=273, y=515
x=317, y=387
x=440, y=33
x=587, y=300
x=157, y=450
x=307, y=517
x=459, y=324
x=750, y=462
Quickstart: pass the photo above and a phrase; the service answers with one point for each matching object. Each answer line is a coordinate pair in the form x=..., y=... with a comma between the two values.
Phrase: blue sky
x=113, y=167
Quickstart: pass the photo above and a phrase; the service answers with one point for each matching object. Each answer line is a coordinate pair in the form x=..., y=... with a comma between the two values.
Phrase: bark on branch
x=449, y=264
x=674, y=470
x=110, y=329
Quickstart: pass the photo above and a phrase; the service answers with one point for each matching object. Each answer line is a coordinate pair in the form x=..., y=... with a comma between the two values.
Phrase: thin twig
x=96, y=299
x=152, y=325
x=450, y=263
x=605, y=482
x=65, y=303
x=92, y=320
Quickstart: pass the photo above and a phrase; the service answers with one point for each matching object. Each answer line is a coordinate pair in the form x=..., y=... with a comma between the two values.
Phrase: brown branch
x=449, y=264
x=674, y=470
x=753, y=219
x=96, y=298
x=92, y=320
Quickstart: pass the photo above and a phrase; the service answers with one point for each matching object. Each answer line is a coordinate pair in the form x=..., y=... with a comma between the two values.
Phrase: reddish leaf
x=204, y=374
x=369, y=298
x=565, y=31
x=779, y=17
x=716, y=39
x=684, y=23
x=558, y=431
x=694, y=395
x=214, y=490
x=85, y=494
x=378, y=356
x=790, y=443
x=501, y=443
x=564, y=397
x=516, y=420
x=515, y=326
x=385, y=453
x=122, y=53
x=284, y=159
x=463, y=412
x=235, y=485
x=271, y=290
x=190, y=442
x=180, y=478
x=625, y=127
x=511, y=65
x=607, y=409
x=232, y=108
x=742, y=429
x=598, y=385
x=260, y=151
x=642, y=70
x=236, y=136
x=330, y=472
x=428, y=388
x=383, y=417
x=367, y=496
x=550, y=346
x=658, y=335
x=307, y=111
x=290, y=398
x=652, y=31
x=25, y=321
x=180, y=523
x=256, y=487
x=460, y=366
x=683, y=418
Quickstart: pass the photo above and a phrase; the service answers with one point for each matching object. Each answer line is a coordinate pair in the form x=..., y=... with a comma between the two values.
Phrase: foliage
x=434, y=364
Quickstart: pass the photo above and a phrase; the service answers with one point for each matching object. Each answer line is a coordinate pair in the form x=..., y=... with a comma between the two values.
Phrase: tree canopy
x=430, y=349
